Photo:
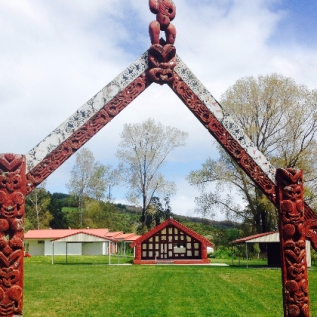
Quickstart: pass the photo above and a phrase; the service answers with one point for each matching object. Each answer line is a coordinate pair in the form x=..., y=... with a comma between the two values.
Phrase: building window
x=179, y=248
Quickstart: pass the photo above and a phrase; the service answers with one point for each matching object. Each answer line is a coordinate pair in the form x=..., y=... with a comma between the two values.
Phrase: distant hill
x=224, y=224
x=121, y=217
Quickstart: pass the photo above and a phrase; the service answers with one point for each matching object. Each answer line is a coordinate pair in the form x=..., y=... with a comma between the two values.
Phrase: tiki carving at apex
x=162, y=54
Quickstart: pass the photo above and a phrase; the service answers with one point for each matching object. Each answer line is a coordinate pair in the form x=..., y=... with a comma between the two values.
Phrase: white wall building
x=74, y=241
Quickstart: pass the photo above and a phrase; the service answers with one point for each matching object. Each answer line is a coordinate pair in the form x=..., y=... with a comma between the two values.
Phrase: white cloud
x=54, y=56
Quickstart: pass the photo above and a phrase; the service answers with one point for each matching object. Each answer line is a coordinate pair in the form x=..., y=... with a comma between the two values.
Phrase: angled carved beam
x=65, y=140
x=229, y=135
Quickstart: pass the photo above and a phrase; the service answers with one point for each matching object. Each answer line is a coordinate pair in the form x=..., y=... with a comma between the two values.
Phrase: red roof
x=86, y=233
x=126, y=237
x=54, y=234
x=259, y=235
x=178, y=225
x=133, y=238
x=60, y=233
x=113, y=234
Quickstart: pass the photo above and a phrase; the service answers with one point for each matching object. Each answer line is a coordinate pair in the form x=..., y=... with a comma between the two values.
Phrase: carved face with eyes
x=10, y=181
x=10, y=301
x=293, y=192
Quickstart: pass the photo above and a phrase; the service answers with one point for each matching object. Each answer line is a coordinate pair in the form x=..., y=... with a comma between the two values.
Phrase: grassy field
x=90, y=288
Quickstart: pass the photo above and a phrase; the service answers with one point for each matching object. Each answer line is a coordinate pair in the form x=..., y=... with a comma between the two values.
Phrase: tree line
x=60, y=211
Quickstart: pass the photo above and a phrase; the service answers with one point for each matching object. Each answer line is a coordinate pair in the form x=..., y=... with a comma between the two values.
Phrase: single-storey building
x=73, y=241
x=171, y=242
x=272, y=239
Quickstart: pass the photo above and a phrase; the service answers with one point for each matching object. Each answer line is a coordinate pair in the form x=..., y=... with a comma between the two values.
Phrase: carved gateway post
x=12, y=199
x=293, y=242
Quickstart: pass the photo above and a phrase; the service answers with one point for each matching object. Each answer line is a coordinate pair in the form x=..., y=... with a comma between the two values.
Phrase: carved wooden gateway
x=20, y=174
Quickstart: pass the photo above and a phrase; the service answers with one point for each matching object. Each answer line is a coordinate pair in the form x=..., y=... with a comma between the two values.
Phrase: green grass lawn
x=90, y=288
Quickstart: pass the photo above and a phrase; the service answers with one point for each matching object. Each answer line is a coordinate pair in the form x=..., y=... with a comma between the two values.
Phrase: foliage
x=89, y=178
x=59, y=219
x=280, y=118
x=37, y=210
x=222, y=253
x=158, y=211
x=79, y=290
x=142, y=152
x=314, y=256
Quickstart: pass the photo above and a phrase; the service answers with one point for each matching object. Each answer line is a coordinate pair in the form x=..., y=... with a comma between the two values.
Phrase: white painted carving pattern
x=83, y=114
x=225, y=119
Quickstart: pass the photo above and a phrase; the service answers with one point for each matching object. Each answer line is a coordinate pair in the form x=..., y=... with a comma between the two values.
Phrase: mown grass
x=89, y=288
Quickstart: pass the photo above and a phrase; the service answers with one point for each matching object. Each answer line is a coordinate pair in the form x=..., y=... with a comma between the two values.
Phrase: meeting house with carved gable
x=171, y=242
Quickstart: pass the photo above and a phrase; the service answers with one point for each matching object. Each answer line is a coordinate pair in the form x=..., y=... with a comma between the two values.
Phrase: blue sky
x=55, y=55
x=299, y=23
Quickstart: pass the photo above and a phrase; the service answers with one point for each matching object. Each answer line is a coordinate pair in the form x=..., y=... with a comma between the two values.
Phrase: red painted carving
x=162, y=60
x=165, y=11
x=293, y=246
x=311, y=231
x=12, y=204
x=162, y=54
x=57, y=157
x=232, y=147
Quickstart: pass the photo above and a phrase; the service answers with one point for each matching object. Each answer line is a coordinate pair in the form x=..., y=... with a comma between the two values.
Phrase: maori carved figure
x=165, y=11
x=12, y=204
x=162, y=54
x=293, y=240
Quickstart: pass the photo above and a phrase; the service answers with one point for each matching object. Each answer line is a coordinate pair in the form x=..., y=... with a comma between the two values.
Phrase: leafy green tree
x=142, y=151
x=55, y=206
x=162, y=210
x=89, y=178
x=37, y=211
x=280, y=117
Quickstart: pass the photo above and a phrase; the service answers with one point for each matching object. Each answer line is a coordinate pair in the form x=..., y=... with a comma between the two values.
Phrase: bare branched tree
x=142, y=152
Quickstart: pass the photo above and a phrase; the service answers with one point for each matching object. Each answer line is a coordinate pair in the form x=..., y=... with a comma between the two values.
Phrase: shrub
x=222, y=253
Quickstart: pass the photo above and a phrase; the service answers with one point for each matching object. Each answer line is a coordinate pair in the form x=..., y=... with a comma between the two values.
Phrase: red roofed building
x=74, y=241
x=171, y=242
